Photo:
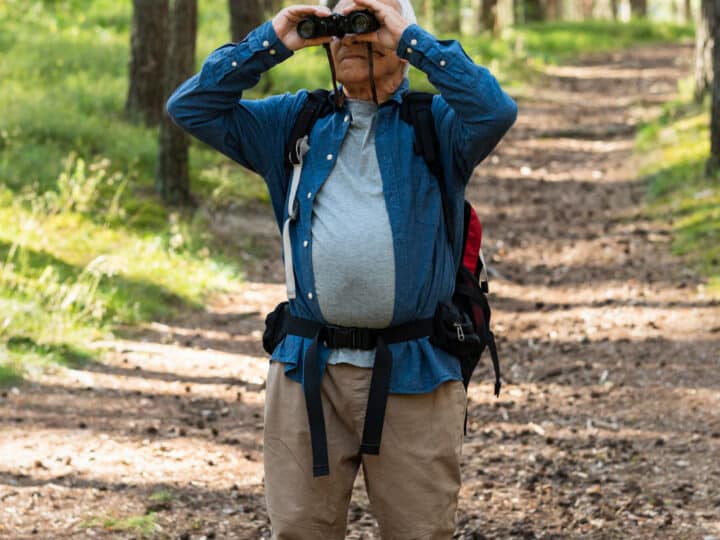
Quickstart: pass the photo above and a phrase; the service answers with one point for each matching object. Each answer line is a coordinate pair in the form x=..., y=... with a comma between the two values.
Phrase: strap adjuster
x=338, y=337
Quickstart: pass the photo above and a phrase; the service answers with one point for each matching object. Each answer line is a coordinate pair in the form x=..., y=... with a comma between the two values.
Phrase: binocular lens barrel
x=357, y=22
x=306, y=28
x=360, y=23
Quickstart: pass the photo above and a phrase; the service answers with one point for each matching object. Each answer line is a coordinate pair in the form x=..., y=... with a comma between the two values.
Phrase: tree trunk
x=552, y=10
x=429, y=14
x=688, y=11
x=148, y=48
x=534, y=11
x=245, y=15
x=615, y=8
x=638, y=8
x=704, y=46
x=714, y=162
x=488, y=15
x=453, y=19
x=587, y=8
x=173, y=178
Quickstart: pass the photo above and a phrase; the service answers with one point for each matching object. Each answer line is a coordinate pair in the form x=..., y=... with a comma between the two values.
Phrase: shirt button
x=309, y=194
x=409, y=49
x=329, y=157
x=310, y=295
x=306, y=243
x=413, y=42
x=266, y=43
x=347, y=118
x=443, y=63
x=234, y=63
x=272, y=51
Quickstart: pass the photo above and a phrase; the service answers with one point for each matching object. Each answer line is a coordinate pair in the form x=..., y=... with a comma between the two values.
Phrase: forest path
x=609, y=423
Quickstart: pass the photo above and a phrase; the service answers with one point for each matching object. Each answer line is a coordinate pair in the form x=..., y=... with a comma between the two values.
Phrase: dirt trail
x=609, y=426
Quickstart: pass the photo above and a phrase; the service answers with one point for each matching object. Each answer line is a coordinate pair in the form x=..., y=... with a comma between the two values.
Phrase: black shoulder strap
x=416, y=109
x=316, y=106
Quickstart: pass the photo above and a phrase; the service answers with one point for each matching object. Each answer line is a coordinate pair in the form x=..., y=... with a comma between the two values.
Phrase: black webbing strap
x=365, y=338
x=416, y=110
x=316, y=106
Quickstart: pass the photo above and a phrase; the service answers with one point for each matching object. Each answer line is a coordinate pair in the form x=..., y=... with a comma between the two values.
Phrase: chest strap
x=336, y=337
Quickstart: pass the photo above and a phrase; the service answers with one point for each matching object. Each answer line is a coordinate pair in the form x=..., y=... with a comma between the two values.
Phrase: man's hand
x=393, y=24
x=285, y=25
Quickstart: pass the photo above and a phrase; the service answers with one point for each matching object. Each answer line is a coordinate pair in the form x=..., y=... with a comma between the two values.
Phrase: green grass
x=85, y=244
x=145, y=526
x=676, y=147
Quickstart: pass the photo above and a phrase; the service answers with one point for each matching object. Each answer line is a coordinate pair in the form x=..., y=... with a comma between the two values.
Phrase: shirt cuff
x=418, y=46
x=265, y=41
x=262, y=44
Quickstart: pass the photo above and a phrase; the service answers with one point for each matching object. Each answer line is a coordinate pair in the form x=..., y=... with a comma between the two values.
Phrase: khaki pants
x=413, y=484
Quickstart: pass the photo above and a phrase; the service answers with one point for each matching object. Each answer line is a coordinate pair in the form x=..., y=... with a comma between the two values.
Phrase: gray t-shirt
x=352, y=249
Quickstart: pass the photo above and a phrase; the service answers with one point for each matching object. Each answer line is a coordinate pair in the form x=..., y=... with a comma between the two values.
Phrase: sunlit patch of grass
x=145, y=526
x=679, y=190
x=11, y=372
x=162, y=496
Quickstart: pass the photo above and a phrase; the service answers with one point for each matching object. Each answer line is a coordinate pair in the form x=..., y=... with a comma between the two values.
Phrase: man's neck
x=364, y=92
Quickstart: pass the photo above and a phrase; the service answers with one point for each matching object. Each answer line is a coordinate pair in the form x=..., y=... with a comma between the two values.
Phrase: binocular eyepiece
x=355, y=22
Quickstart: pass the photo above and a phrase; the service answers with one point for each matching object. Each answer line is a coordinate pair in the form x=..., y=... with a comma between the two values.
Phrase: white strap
x=483, y=273
x=302, y=148
x=287, y=254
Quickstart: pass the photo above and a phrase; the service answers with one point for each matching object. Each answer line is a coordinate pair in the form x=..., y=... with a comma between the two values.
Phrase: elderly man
x=365, y=247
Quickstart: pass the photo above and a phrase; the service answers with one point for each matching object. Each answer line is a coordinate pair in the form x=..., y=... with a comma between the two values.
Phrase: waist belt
x=336, y=337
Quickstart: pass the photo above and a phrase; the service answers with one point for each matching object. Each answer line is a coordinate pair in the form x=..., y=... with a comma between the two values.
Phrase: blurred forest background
x=603, y=219
x=89, y=238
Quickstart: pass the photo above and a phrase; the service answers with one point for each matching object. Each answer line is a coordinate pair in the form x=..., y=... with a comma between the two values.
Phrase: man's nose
x=350, y=39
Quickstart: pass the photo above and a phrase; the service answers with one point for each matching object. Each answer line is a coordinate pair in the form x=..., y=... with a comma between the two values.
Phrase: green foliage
x=557, y=41
x=676, y=147
x=145, y=526
x=85, y=244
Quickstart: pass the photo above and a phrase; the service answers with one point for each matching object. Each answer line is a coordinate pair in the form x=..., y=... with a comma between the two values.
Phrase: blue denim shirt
x=471, y=113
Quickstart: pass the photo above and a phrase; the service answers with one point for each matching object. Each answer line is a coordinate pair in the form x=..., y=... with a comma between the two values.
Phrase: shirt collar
x=396, y=97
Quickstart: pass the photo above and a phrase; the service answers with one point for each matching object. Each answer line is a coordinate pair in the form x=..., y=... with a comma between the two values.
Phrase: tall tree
x=553, y=10
x=173, y=178
x=714, y=162
x=534, y=11
x=638, y=8
x=489, y=15
x=148, y=47
x=429, y=14
x=615, y=8
x=688, y=11
x=704, y=46
x=245, y=15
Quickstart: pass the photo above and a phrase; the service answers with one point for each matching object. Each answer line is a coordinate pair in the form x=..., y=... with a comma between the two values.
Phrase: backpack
x=462, y=327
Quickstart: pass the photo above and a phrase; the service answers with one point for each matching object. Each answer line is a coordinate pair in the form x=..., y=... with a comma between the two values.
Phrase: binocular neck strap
x=371, y=61
x=339, y=96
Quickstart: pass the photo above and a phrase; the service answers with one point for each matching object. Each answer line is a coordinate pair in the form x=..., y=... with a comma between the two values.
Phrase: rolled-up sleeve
x=210, y=107
x=472, y=112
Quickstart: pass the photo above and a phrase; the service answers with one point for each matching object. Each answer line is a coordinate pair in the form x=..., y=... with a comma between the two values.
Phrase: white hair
x=408, y=13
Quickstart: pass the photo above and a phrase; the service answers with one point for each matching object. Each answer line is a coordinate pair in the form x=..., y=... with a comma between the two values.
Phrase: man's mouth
x=358, y=56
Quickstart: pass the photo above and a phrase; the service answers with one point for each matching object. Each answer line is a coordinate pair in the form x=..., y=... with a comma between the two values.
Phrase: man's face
x=351, y=56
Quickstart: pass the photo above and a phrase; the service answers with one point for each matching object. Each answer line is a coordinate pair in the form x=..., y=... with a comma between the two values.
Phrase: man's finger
x=374, y=5
x=303, y=11
x=316, y=41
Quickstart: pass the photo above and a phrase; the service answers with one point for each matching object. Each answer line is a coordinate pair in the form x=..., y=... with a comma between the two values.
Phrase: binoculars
x=356, y=22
